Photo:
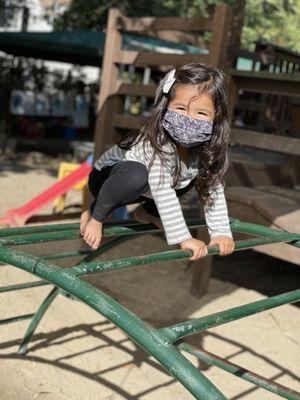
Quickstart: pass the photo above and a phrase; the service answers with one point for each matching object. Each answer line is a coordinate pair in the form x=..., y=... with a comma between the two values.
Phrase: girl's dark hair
x=213, y=154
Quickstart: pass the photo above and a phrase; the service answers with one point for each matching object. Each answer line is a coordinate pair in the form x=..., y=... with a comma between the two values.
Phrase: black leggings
x=120, y=184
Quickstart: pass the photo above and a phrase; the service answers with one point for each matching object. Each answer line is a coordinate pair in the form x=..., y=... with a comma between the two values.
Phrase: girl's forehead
x=190, y=94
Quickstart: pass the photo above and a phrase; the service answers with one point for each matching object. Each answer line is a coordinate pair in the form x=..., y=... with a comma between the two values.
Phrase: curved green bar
x=157, y=342
x=147, y=337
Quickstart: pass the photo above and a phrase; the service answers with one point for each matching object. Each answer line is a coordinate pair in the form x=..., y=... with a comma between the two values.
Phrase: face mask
x=186, y=130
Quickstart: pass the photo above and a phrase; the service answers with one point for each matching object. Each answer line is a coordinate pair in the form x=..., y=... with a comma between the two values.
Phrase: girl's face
x=188, y=101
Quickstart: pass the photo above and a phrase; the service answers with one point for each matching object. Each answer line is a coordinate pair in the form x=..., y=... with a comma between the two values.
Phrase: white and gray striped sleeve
x=167, y=204
x=216, y=216
x=113, y=152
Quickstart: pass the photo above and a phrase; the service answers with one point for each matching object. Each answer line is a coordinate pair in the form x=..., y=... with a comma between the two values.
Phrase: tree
x=276, y=21
x=92, y=14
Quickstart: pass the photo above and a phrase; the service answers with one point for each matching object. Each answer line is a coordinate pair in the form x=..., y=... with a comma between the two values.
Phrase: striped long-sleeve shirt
x=164, y=196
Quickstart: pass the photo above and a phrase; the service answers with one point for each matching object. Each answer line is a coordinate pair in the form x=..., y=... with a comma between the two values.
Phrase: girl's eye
x=201, y=113
x=180, y=108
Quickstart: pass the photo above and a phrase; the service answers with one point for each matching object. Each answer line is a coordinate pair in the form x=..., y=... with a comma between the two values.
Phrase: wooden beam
x=164, y=23
x=261, y=140
x=278, y=52
x=178, y=37
x=148, y=58
x=264, y=58
x=127, y=121
x=266, y=82
x=135, y=89
x=285, y=77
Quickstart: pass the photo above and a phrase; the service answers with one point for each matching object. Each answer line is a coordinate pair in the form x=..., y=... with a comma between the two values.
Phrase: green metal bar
x=37, y=318
x=254, y=229
x=68, y=234
x=104, y=247
x=240, y=372
x=25, y=230
x=173, y=255
x=58, y=256
x=58, y=227
x=186, y=328
x=235, y=224
x=134, y=229
x=54, y=293
x=38, y=238
x=147, y=337
x=72, y=234
x=68, y=254
x=158, y=343
x=90, y=253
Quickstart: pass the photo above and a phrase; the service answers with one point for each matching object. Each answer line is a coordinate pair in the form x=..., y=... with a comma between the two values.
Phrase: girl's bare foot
x=143, y=216
x=93, y=233
x=85, y=216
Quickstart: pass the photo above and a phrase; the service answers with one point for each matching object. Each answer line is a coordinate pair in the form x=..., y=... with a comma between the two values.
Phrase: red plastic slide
x=18, y=216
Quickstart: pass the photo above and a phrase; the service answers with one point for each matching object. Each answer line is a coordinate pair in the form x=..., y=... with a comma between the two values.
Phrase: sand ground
x=77, y=354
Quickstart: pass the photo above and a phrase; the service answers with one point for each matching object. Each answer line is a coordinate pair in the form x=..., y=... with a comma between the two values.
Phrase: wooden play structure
x=263, y=183
x=252, y=162
x=253, y=201
x=112, y=120
x=165, y=343
x=268, y=110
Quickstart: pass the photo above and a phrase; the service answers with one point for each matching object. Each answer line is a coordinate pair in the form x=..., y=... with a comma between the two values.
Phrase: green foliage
x=92, y=14
x=276, y=21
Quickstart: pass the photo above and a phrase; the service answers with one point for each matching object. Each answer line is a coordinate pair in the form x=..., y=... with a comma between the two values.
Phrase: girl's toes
x=95, y=245
x=92, y=241
x=87, y=238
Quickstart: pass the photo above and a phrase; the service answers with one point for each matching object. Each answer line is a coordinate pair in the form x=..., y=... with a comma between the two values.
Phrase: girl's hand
x=225, y=243
x=199, y=248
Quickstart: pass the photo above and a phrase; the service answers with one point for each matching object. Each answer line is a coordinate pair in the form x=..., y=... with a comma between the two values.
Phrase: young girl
x=183, y=143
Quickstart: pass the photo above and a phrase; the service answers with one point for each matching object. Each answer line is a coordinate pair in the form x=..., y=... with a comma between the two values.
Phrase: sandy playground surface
x=77, y=354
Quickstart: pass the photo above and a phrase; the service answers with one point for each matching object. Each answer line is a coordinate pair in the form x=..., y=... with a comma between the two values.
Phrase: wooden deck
x=272, y=206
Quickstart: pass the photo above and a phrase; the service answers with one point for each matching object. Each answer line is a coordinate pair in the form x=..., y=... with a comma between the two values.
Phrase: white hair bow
x=169, y=80
x=165, y=84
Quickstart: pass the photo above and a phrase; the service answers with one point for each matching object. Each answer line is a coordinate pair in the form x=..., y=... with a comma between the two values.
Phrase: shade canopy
x=81, y=47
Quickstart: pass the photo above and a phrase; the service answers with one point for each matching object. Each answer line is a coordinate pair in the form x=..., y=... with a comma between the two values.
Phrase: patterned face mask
x=186, y=130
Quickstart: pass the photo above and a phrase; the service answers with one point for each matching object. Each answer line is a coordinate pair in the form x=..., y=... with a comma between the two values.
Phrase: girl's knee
x=135, y=174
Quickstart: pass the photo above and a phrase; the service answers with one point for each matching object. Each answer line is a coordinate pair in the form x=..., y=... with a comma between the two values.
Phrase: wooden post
x=109, y=104
x=220, y=35
x=232, y=91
